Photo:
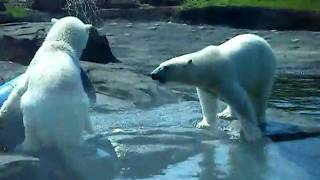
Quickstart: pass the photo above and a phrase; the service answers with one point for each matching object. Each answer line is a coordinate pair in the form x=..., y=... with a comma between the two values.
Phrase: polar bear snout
x=156, y=75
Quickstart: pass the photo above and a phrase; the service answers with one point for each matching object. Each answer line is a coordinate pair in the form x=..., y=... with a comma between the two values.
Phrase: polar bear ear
x=54, y=20
x=190, y=62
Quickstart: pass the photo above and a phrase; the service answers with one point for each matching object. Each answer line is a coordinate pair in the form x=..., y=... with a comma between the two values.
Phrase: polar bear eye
x=190, y=61
x=166, y=68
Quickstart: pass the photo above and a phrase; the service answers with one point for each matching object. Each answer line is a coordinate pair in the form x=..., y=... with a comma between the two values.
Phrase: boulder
x=47, y=5
x=14, y=166
x=98, y=49
x=20, y=41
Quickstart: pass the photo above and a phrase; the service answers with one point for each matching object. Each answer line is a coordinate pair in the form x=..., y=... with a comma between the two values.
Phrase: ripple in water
x=298, y=93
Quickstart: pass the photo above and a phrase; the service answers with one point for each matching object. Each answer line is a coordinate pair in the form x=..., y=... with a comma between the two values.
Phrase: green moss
x=278, y=4
x=17, y=11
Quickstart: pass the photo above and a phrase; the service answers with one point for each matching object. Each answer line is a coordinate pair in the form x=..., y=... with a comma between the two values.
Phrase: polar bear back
x=61, y=90
x=57, y=72
x=251, y=57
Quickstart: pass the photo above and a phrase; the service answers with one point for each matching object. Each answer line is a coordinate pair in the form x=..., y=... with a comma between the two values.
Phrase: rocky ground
x=151, y=126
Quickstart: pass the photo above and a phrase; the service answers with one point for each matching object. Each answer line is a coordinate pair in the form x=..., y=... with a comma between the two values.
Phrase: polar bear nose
x=153, y=76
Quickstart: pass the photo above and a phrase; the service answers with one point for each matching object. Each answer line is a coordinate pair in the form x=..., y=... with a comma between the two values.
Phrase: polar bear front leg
x=238, y=99
x=13, y=98
x=208, y=102
x=227, y=114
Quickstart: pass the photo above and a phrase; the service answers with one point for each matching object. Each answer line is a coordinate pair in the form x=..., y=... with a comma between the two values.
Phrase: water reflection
x=299, y=93
x=234, y=160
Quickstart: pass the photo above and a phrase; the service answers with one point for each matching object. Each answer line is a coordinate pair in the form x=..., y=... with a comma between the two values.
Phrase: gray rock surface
x=20, y=41
x=14, y=166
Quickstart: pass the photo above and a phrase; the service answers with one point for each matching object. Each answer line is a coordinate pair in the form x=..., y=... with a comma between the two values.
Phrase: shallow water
x=162, y=143
x=297, y=93
x=237, y=161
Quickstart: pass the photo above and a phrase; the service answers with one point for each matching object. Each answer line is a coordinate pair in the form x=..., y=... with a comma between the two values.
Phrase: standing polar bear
x=239, y=71
x=54, y=105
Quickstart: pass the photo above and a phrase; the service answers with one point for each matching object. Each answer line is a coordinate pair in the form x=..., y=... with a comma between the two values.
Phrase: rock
x=112, y=81
x=14, y=166
x=162, y=2
x=93, y=160
x=295, y=40
x=202, y=27
x=20, y=41
x=119, y=4
x=98, y=49
x=153, y=28
x=6, y=18
x=2, y=6
x=129, y=26
x=47, y=5
x=293, y=47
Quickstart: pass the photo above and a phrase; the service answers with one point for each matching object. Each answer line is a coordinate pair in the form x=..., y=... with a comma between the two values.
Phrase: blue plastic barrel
x=6, y=89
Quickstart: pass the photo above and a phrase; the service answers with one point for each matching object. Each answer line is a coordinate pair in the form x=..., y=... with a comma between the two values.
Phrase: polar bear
x=239, y=71
x=54, y=104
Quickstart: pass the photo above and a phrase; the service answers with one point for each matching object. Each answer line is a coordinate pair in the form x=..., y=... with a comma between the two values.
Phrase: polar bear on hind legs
x=239, y=71
x=54, y=105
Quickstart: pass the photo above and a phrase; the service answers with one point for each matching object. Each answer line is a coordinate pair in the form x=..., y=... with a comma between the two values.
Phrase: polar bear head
x=69, y=30
x=192, y=69
x=178, y=69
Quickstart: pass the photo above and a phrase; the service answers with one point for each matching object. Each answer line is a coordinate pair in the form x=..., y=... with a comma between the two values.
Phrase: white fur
x=54, y=104
x=239, y=71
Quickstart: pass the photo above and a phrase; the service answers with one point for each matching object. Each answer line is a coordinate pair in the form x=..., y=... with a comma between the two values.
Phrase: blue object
x=6, y=89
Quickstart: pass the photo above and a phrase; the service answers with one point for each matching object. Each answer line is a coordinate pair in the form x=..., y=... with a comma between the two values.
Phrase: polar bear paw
x=226, y=114
x=203, y=124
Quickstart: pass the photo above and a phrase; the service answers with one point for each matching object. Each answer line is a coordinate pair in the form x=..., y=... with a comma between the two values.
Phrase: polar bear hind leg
x=259, y=101
x=208, y=102
x=239, y=100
